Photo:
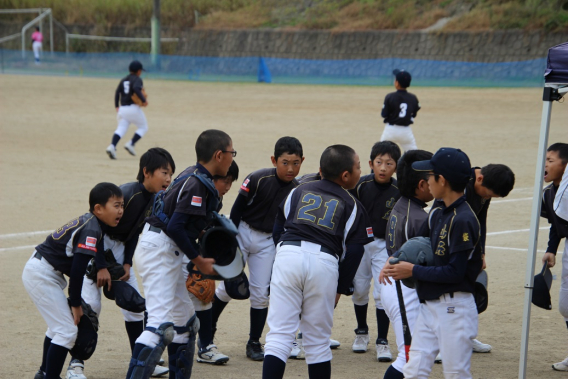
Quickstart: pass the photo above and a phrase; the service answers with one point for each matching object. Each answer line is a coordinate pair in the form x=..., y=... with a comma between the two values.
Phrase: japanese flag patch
x=91, y=241
x=370, y=232
x=245, y=184
x=196, y=201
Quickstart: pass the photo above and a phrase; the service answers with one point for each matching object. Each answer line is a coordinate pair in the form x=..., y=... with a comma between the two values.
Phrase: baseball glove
x=203, y=289
x=137, y=100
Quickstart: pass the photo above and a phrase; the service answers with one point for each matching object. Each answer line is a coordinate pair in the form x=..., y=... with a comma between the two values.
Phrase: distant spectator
x=37, y=39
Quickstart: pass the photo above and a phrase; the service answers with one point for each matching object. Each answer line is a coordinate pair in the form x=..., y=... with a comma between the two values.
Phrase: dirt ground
x=53, y=135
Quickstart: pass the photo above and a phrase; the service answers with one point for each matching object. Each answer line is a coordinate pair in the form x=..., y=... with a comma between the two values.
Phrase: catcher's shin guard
x=144, y=364
x=183, y=357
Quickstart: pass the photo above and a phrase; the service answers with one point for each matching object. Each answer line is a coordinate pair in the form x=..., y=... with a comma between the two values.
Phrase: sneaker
x=297, y=350
x=361, y=341
x=255, y=351
x=479, y=347
x=561, y=366
x=211, y=355
x=111, y=151
x=383, y=352
x=438, y=358
x=130, y=148
x=333, y=344
x=75, y=370
x=160, y=371
x=39, y=375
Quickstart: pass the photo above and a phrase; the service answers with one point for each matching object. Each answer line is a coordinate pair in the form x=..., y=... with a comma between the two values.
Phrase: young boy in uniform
x=447, y=315
x=399, y=110
x=253, y=213
x=405, y=221
x=378, y=192
x=168, y=234
x=155, y=173
x=554, y=168
x=315, y=225
x=67, y=251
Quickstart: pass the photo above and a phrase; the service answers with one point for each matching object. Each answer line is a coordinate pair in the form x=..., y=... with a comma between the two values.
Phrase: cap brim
x=422, y=166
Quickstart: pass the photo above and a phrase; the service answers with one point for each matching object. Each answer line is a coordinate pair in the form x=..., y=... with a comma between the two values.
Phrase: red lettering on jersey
x=87, y=247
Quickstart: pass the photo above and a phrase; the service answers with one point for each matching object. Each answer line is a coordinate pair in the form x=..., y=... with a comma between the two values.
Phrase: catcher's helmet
x=480, y=295
x=87, y=335
x=238, y=288
x=125, y=296
x=417, y=250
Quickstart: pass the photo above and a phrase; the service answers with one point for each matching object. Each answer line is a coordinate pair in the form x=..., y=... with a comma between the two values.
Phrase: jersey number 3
x=403, y=108
x=312, y=212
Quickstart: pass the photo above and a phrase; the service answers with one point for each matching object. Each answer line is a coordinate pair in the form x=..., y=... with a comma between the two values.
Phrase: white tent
x=556, y=86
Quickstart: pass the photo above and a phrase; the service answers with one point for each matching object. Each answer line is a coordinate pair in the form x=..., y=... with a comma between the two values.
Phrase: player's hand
x=337, y=297
x=550, y=258
x=204, y=265
x=103, y=277
x=401, y=270
x=126, y=275
x=116, y=109
x=484, y=265
x=145, y=104
x=383, y=278
x=77, y=313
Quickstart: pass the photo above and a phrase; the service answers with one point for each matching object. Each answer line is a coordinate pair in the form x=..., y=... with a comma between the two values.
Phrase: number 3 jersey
x=324, y=213
x=400, y=108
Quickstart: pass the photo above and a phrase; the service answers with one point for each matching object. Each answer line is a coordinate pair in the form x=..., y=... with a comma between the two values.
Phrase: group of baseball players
x=306, y=241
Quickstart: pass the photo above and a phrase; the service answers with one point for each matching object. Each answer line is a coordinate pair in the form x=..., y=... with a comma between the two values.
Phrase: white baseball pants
x=304, y=283
x=258, y=252
x=159, y=263
x=563, y=299
x=451, y=324
x=36, y=47
x=131, y=114
x=372, y=263
x=45, y=286
x=400, y=134
x=561, y=198
x=92, y=294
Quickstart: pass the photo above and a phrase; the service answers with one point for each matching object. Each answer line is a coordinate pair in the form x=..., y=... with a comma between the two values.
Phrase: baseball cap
x=135, y=66
x=541, y=288
x=402, y=77
x=452, y=164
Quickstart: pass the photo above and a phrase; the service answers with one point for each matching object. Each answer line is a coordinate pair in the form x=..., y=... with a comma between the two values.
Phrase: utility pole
x=155, y=48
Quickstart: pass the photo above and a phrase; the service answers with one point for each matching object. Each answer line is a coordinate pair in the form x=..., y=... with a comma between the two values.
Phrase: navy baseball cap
x=452, y=164
x=402, y=77
x=135, y=66
x=541, y=289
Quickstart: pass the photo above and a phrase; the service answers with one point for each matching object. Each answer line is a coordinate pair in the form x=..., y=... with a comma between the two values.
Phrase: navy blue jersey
x=82, y=235
x=558, y=228
x=378, y=200
x=137, y=206
x=400, y=108
x=131, y=84
x=454, y=234
x=309, y=177
x=405, y=222
x=264, y=192
x=324, y=213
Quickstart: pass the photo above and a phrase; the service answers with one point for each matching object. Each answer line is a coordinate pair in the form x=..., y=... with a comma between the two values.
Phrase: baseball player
x=399, y=110
x=447, y=315
x=67, y=251
x=561, y=198
x=253, y=213
x=129, y=112
x=169, y=233
x=319, y=222
x=378, y=192
x=37, y=40
x=208, y=352
x=154, y=175
x=554, y=169
x=405, y=221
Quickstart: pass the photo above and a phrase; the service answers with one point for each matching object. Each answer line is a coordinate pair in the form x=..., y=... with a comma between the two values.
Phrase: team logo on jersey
x=441, y=250
x=196, y=201
x=91, y=241
x=451, y=309
x=465, y=237
x=444, y=232
x=245, y=184
x=370, y=232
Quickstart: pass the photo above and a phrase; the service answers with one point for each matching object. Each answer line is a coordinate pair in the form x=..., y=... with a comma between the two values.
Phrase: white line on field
x=17, y=248
x=511, y=248
x=26, y=234
x=514, y=231
x=511, y=200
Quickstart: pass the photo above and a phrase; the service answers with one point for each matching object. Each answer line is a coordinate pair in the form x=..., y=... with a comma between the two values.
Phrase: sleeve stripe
x=287, y=204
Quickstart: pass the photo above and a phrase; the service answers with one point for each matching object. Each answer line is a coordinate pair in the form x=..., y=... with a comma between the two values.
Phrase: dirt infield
x=54, y=130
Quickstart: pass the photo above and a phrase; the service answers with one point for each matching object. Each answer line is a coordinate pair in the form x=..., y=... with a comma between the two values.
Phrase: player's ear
x=147, y=174
x=479, y=178
x=273, y=160
x=371, y=164
x=303, y=158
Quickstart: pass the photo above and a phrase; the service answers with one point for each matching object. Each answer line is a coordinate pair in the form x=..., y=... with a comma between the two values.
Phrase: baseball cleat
x=130, y=148
x=479, y=347
x=211, y=355
x=111, y=151
x=160, y=371
x=75, y=370
x=39, y=374
x=297, y=350
x=438, y=358
x=361, y=341
x=255, y=351
x=383, y=352
x=333, y=344
x=561, y=366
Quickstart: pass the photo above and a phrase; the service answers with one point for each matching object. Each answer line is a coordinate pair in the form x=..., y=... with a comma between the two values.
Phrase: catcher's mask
x=480, y=295
x=125, y=296
x=220, y=243
x=417, y=250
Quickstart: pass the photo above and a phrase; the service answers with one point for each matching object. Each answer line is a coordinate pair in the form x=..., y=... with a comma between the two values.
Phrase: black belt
x=155, y=229
x=323, y=249
x=38, y=256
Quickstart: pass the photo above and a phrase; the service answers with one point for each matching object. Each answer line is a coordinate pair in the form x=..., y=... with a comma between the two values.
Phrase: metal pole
x=51, y=31
x=155, y=48
x=23, y=44
x=533, y=235
x=66, y=43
